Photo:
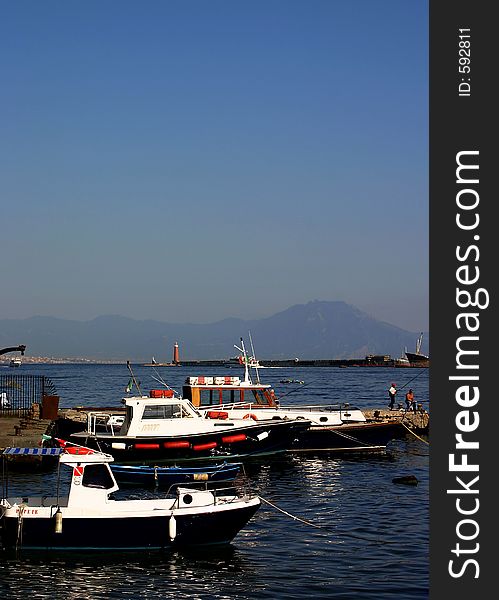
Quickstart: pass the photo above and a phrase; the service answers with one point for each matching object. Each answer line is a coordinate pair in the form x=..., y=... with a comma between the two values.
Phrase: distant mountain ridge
x=316, y=330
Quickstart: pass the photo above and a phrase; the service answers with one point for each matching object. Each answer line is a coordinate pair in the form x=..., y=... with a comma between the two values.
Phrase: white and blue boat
x=89, y=516
x=167, y=477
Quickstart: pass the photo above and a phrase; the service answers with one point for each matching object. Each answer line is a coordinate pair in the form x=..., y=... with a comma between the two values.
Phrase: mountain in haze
x=316, y=330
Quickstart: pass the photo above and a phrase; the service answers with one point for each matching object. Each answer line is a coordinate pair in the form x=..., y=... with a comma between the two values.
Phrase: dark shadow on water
x=204, y=558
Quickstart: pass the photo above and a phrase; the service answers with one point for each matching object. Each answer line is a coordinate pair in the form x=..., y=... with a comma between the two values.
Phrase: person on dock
x=4, y=400
x=391, y=392
x=410, y=403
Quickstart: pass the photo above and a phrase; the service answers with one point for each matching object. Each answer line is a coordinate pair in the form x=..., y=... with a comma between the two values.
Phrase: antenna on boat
x=133, y=377
x=247, y=378
x=159, y=379
x=254, y=358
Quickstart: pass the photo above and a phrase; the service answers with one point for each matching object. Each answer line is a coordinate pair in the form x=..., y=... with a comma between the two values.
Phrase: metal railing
x=18, y=393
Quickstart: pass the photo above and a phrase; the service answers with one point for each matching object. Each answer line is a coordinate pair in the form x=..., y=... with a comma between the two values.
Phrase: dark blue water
x=363, y=536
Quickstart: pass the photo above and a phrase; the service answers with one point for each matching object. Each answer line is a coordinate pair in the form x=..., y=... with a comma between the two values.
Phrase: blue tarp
x=34, y=451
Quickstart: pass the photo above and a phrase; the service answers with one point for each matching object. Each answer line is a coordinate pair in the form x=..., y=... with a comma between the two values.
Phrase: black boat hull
x=261, y=439
x=358, y=437
x=126, y=533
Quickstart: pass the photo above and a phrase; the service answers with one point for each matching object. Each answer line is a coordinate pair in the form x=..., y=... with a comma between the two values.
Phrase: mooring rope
x=328, y=529
x=417, y=436
x=289, y=514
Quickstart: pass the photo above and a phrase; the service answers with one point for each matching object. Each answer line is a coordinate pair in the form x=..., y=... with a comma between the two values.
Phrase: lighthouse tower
x=176, y=360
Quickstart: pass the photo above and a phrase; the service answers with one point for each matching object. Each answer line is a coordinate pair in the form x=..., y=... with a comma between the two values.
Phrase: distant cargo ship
x=417, y=357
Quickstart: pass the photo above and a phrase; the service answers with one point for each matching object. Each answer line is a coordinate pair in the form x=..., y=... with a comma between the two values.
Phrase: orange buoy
x=78, y=450
x=217, y=414
x=251, y=416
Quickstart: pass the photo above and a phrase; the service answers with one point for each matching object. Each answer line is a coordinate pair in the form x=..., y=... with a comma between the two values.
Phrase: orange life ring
x=251, y=416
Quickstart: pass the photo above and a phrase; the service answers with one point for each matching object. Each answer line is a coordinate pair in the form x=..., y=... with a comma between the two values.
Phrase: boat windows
x=162, y=411
x=209, y=397
x=97, y=476
x=258, y=397
x=213, y=396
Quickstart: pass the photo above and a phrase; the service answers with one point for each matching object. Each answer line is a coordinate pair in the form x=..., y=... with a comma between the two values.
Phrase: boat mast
x=133, y=377
x=254, y=358
x=247, y=379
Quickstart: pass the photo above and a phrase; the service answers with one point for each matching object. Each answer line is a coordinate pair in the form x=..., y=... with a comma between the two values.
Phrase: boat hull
x=420, y=359
x=126, y=533
x=358, y=437
x=260, y=439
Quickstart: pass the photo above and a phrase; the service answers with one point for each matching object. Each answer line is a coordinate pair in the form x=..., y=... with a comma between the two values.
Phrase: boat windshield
x=164, y=411
x=97, y=476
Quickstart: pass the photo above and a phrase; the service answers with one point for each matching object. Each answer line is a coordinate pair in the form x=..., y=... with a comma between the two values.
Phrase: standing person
x=391, y=392
x=409, y=400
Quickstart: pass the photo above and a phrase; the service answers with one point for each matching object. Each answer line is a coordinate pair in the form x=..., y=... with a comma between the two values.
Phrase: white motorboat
x=166, y=428
x=337, y=427
x=90, y=517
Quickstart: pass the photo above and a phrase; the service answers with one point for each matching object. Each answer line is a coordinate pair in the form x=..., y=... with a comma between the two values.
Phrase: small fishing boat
x=90, y=516
x=15, y=362
x=167, y=477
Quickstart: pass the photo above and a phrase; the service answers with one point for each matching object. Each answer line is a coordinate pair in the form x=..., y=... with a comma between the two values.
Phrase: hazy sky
x=193, y=160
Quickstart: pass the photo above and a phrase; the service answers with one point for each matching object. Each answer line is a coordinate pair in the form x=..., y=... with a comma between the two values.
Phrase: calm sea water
x=363, y=536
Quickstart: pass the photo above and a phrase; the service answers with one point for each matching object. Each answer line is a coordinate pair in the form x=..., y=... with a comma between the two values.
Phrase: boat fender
x=172, y=528
x=231, y=439
x=177, y=444
x=146, y=446
x=207, y=446
x=118, y=446
x=251, y=416
x=58, y=521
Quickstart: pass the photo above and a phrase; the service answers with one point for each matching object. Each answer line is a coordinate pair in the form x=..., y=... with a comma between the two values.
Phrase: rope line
x=417, y=436
x=328, y=529
x=289, y=514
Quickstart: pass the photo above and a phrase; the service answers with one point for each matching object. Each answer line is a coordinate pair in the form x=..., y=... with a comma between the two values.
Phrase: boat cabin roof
x=145, y=407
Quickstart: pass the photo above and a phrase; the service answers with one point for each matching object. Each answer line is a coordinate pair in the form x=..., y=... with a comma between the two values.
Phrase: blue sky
x=193, y=160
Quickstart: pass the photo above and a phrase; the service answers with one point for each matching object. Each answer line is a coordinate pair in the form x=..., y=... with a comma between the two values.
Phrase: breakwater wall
x=352, y=362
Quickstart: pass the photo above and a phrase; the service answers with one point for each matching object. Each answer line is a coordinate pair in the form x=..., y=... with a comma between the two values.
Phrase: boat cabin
x=146, y=415
x=204, y=392
x=91, y=480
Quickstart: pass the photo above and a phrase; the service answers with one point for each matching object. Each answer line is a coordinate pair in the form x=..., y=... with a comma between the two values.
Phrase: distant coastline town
x=368, y=361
